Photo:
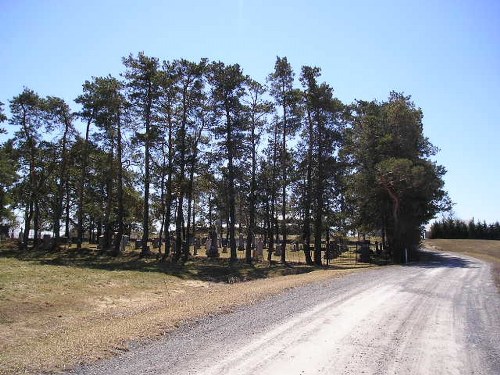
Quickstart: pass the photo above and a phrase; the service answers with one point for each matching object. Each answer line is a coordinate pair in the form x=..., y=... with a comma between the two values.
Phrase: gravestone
x=100, y=242
x=196, y=245
x=364, y=252
x=156, y=243
x=278, y=248
x=213, y=250
x=47, y=242
x=138, y=244
x=241, y=242
x=123, y=243
x=208, y=244
x=259, y=249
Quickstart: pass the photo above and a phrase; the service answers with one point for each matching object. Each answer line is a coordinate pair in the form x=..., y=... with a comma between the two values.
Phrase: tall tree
x=60, y=117
x=227, y=82
x=169, y=97
x=324, y=122
x=189, y=81
x=258, y=108
x=394, y=183
x=196, y=140
x=142, y=83
x=89, y=102
x=286, y=97
x=104, y=104
x=27, y=113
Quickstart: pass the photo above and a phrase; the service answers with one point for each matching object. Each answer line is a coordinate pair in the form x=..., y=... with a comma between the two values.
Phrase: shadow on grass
x=431, y=259
x=197, y=268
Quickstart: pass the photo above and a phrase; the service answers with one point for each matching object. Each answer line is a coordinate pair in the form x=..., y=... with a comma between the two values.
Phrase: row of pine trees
x=174, y=147
x=460, y=229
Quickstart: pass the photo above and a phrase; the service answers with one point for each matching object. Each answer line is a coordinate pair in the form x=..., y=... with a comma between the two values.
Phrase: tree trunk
x=190, y=198
x=168, y=194
x=306, y=232
x=147, y=178
x=81, y=186
x=28, y=216
x=283, y=207
x=251, y=200
x=60, y=188
x=119, y=188
x=182, y=165
x=232, y=200
x=318, y=219
x=109, y=202
x=36, y=225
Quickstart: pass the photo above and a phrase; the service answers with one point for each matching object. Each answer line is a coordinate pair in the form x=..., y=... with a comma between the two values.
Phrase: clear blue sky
x=445, y=53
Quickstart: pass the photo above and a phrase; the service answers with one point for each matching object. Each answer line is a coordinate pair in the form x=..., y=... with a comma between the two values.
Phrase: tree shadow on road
x=432, y=259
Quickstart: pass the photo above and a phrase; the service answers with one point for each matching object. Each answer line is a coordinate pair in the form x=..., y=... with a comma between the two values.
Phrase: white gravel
x=437, y=317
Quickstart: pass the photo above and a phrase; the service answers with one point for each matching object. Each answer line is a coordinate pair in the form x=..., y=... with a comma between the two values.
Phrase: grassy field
x=488, y=251
x=58, y=309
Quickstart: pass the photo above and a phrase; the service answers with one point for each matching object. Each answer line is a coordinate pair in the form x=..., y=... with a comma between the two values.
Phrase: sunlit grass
x=66, y=306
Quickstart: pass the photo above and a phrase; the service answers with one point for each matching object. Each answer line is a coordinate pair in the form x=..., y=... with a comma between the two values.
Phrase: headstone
x=259, y=249
x=47, y=242
x=331, y=252
x=278, y=248
x=241, y=242
x=364, y=251
x=208, y=244
x=123, y=243
x=213, y=251
x=196, y=245
x=100, y=243
x=156, y=243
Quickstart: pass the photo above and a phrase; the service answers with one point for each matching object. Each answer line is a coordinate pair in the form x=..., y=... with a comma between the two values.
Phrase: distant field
x=488, y=251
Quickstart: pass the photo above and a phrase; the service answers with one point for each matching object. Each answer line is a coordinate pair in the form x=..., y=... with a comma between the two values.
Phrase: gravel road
x=437, y=317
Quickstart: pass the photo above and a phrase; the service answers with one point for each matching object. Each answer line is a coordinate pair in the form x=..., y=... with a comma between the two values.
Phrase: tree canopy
x=173, y=148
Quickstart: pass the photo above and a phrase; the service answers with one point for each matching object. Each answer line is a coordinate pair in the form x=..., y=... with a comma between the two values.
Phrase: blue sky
x=445, y=53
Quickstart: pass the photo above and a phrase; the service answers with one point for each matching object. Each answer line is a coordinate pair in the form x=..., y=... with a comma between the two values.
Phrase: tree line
x=175, y=147
x=460, y=229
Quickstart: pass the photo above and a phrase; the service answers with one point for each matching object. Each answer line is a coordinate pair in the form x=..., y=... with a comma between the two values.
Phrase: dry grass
x=62, y=308
x=486, y=250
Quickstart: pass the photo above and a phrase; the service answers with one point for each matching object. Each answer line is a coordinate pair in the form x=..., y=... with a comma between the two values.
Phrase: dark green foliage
x=228, y=88
x=205, y=150
x=395, y=187
x=459, y=229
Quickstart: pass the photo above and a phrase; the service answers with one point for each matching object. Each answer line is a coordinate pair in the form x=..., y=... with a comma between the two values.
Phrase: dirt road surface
x=437, y=317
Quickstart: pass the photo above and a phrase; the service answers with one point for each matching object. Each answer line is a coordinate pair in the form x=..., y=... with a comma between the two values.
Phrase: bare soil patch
x=59, y=309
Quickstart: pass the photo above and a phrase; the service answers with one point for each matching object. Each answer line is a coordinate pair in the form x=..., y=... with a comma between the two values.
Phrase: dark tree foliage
x=177, y=150
x=394, y=185
x=228, y=87
x=459, y=229
x=142, y=82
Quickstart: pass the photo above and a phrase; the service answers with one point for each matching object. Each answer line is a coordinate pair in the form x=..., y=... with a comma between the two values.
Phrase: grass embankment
x=486, y=250
x=58, y=309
